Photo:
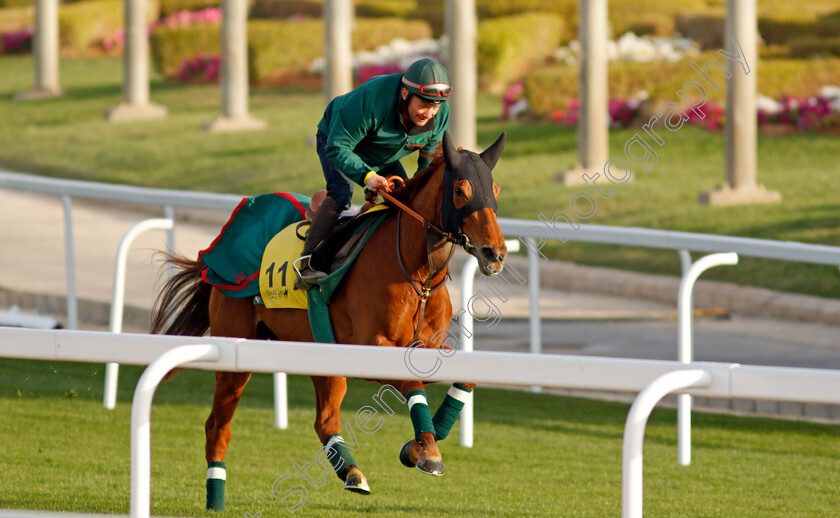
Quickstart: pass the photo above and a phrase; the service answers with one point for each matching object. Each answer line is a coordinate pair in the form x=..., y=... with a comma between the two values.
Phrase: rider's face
x=419, y=111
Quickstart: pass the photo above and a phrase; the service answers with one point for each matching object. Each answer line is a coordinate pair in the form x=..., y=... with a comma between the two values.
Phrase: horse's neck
x=412, y=234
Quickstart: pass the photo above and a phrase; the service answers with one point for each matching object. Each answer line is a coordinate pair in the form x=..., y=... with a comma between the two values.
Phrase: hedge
x=810, y=46
x=314, y=8
x=168, y=7
x=509, y=46
x=80, y=24
x=707, y=27
x=14, y=19
x=275, y=45
x=5, y=4
x=550, y=88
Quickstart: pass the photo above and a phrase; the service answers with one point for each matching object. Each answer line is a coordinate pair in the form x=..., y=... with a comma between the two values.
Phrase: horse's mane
x=419, y=180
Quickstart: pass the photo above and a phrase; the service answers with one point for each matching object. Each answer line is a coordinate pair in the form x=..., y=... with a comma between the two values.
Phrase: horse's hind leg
x=443, y=421
x=229, y=387
x=329, y=393
x=234, y=318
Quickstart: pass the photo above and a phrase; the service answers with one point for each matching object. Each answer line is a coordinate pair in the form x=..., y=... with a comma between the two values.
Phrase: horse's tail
x=181, y=307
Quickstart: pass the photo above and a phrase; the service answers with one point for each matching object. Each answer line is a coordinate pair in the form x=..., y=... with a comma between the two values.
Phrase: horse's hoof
x=405, y=455
x=356, y=482
x=430, y=466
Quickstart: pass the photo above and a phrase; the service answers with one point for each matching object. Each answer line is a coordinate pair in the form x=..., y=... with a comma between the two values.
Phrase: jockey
x=363, y=135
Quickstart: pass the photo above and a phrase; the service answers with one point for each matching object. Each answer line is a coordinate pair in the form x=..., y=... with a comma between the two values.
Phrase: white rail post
x=685, y=353
x=467, y=324
x=118, y=298
x=467, y=284
x=534, y=319
x=281, y=401
x=632, y=460
x=141, y=415
x=70, y=262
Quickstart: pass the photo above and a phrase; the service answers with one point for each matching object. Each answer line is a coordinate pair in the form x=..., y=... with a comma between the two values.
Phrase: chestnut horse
x=393, y=295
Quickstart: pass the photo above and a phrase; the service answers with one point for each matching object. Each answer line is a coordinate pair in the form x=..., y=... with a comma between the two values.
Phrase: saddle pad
x=277, y=276
x=233, y=259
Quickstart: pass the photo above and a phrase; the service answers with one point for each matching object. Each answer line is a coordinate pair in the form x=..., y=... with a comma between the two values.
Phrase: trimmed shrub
x=775, y=29
x=168, y=7
x=275, y=45
x=286, y=8
x=551, y=88
x=385, y=8
x=13, y=19
x=170, y=47
x=314, y=8
x=797, y=77
x=509, y=46
x=811, y=46
x=83, y=24
x=15, y=3
x=705, y=27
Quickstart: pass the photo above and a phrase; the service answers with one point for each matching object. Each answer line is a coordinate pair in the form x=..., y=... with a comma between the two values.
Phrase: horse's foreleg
x=329, y=393
x=448, y=411
x=444, y=419
x=428, y=458
x=229, y=387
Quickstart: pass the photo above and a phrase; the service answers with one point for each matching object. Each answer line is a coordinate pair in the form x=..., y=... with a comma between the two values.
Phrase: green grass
x=68, y=137
x=534, y=454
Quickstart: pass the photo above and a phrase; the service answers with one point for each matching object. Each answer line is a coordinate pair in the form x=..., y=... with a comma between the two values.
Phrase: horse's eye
x=459, y=191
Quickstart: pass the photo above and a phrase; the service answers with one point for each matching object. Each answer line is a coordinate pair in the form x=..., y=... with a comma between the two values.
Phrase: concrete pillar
x=135, y=88
x=741, y=185
x=338, y=48
x=45, y=50
x=234, y=71
x=593, y=125
x=462, y=66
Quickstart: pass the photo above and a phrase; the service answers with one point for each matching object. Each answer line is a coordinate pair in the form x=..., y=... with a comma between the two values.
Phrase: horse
x=390, y=296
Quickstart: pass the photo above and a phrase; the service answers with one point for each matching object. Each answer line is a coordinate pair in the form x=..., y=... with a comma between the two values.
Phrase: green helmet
x=428, y=80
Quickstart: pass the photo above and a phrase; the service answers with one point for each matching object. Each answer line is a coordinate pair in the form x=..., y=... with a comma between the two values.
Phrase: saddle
x=342, y=243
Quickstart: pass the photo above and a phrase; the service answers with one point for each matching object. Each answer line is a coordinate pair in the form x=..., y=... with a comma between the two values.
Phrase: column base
x=223, y=123
x=575, y=176
x=38, y=93
x=572, y=176
x=726, y=195
x=132, y=112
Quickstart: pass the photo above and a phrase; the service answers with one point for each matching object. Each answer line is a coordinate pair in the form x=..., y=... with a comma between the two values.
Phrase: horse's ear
x=450, y=153
x=491, y=154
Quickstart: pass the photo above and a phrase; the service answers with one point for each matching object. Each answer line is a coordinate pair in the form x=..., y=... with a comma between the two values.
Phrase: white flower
x=771, y=106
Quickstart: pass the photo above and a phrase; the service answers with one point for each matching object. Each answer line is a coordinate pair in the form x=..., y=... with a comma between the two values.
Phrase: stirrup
x=306, y=276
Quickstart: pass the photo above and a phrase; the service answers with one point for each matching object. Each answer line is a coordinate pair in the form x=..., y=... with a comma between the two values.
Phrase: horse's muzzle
x=490, y=260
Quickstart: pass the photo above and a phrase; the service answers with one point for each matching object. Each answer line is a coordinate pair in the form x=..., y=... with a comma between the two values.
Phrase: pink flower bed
x=17, y=42
x=201, y=69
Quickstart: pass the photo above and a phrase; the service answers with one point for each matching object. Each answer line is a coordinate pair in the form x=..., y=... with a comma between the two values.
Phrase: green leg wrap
x=421, y=417
x=449, y=410
x=216, y=486
x=339, y=454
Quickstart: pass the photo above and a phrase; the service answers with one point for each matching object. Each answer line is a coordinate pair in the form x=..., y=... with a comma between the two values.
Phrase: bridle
x=451, y=239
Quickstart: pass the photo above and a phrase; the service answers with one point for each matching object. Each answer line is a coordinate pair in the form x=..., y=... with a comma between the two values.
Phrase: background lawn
x=534, y=455
x=68, y=137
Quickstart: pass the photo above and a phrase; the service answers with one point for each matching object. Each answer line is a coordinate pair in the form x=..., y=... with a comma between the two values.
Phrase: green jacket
x=365, y=131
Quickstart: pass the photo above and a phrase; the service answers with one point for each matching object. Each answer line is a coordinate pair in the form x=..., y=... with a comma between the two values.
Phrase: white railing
x=653, y=379
x=533, y=234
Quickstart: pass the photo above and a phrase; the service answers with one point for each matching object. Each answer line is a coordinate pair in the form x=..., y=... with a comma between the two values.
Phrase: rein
x=428, y=225
x=426, y=290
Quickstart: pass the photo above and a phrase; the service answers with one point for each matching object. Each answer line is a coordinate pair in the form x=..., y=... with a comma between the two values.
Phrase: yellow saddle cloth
x=277, y=276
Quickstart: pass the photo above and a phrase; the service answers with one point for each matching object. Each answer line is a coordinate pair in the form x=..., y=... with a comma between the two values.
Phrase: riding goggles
x=431, y=89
